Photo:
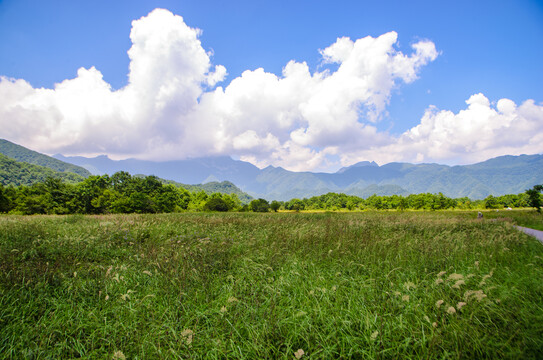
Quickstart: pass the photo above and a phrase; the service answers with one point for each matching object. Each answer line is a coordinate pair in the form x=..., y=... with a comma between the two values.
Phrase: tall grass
x=335, y=285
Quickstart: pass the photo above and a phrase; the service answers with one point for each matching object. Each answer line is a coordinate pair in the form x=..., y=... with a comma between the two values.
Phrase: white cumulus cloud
x=173, y=108
x=479, y=132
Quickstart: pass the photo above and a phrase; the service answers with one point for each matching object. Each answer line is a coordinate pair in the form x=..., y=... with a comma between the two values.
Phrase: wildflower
x=298, y=354
x=439, y=281
x=455, y=277
x=147, y=272
x=460, y=305
x=458, y=284
x=374, y=335
x=439, y=303
x=441, y=273
x=232, y=299
x=434, y=324
x=405, y=298
x=118, y=355
x=408, y=285
x=451, y=310
x=223, y=309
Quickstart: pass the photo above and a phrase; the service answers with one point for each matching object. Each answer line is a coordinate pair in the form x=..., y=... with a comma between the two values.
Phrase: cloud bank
x=172, y=108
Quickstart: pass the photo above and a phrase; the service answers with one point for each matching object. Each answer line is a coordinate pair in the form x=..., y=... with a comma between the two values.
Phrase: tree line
x=124, y=193
x=425, y=201
x=119, y=193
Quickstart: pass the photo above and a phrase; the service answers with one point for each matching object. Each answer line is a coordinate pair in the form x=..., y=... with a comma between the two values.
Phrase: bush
x=260, y=205
x=275, y=205
x=216, y=204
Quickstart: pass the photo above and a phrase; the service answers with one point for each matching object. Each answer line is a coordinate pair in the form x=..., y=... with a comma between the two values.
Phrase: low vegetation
x=439, y=285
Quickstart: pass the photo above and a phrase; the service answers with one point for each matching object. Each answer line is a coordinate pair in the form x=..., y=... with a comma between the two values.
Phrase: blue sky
x=490, y=48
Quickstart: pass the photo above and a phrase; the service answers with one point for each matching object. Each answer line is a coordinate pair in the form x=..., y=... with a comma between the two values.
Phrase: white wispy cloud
x=171, y=108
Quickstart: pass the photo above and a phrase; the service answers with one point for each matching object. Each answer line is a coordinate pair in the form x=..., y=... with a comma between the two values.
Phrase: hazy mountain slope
x=191, y=171
x=20, y=153
x=498, y=176
x=17, y=173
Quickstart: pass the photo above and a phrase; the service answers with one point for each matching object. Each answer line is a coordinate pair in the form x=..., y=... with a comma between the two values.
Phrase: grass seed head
x=187, y=335
x=451, y=310
x=477, y=294
x=460, y=305
x=439, y=303
x=118, y=355
x=299, y=353
x=458, y=284
x=455, y=277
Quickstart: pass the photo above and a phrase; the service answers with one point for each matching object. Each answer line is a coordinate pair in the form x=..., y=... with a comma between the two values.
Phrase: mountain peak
x=357, y=165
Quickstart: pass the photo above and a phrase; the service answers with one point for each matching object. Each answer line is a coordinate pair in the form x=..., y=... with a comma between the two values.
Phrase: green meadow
x=376, y=285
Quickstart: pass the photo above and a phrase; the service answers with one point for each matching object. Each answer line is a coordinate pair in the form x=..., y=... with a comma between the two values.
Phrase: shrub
x=216, y=204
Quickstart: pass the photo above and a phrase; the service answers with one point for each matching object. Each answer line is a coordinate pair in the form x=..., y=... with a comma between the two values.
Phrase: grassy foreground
x=277, y=286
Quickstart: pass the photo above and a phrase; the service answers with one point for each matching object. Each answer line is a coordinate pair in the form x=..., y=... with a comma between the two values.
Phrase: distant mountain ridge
x=22, y=166
x=13, y=172
x=498, y=176
x=22, y=154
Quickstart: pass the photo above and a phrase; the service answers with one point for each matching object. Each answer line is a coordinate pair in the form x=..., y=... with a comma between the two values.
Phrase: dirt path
x=535, y=233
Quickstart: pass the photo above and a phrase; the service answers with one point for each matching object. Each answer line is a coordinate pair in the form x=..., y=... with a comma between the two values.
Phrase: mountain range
x=22, y=166
x=497, y=176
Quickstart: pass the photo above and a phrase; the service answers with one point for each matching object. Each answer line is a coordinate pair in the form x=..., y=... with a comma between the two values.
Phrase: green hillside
x=20, y=153
x=17, y=173
x=223, y=187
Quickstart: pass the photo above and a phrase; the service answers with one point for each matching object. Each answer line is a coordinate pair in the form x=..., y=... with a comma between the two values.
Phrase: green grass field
x=380, y=285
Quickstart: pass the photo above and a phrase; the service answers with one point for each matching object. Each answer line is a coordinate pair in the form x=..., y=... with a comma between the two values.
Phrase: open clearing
x=248, y=285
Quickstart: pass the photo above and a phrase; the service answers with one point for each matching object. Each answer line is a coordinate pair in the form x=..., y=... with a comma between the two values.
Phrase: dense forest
x=124, y=193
